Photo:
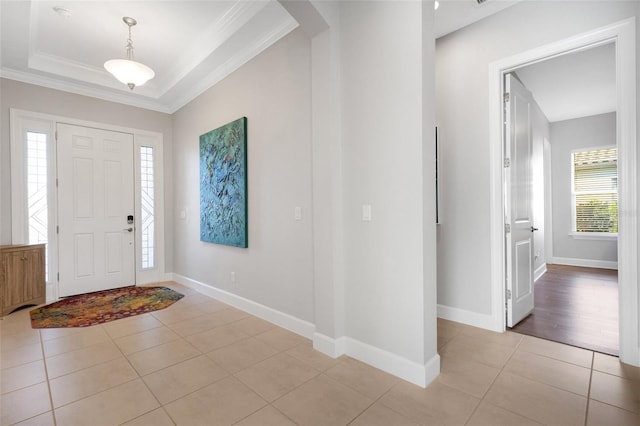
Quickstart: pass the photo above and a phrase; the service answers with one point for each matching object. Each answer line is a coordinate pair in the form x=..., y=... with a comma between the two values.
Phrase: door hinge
x=506, y=97
x=508, y=294
x=56, y=136
x=56, y=182
x=58, y=276
x=507, y=228
x=57, y=229
x=507, y=162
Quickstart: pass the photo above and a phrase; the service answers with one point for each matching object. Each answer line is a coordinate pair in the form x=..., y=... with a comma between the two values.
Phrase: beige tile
x=476, y=349
x=19, y=338
x=614, y=390
x=45, y=419
x=83, y=358
x=112, y=407
x=89, y=336
x=181, y=379
x=276, y=376
x=21, y=355
x=197, y=325
x=507, y=338
x=316, y=359
x=229, y=315
x=211, y=306
x=448, y=329
x=194, y=298
x=363, y=378
x=89, y=381
x=176, y=313
x=162, y=356
x=542, y=403
x=438, y=403
x=267, y=416
x=146, y=339
x=379, y=415
x=222, y=403
x=464, y=374
x=242, y=354
x=215, y=339
x=612, y=365
x=131, y=325
x=603, y=414
x=157, y=417
x=563, y=375
x=566, y=353
x=322, y=401
x=281, y=339
x=490, y=415
x=22, y=376
x=55, y=333
x=24, y=404
x=252, y=326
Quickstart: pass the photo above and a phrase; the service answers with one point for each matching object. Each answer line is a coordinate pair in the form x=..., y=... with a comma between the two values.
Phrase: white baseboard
x=291, y=323
x=540, y=271
x=403, y=368
x=474, y=319
x=587, y=263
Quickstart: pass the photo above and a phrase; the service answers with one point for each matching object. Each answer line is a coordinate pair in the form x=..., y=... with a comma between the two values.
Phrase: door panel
x=95, y=196
x=518, y=203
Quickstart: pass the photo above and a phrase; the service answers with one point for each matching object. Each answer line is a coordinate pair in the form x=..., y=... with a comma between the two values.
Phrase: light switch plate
x=366, y=212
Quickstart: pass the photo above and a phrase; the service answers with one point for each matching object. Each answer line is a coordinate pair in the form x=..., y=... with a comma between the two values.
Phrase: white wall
x=462, y=99
x=348, y=133
x=384, y=130
x=28, y=97
x=566, y=136
x=274, y=92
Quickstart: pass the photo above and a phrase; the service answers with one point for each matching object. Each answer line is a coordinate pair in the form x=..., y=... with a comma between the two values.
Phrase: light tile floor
x=201, y=362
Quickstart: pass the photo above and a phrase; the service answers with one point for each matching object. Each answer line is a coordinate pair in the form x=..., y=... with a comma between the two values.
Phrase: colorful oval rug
x=103, y=306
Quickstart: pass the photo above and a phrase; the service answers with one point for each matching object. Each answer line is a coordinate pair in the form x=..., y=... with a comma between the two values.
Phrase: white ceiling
x=192, y=45
x=574, y=85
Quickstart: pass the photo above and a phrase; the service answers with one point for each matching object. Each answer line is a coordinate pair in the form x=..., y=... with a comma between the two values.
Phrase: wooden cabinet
x=22, y=276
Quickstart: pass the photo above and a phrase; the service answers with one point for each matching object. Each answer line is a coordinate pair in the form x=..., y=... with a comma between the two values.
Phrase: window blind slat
x=595, y=190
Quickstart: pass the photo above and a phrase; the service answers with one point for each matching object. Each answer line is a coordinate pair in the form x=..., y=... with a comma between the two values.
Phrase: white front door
x=518, y=203
x=95, y=198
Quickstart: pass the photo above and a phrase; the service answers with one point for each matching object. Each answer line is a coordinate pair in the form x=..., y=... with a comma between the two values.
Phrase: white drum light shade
x=129, y=72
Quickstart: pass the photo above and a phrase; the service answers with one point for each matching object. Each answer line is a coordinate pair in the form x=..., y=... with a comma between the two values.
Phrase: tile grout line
x=46, y=375
x=494, y=381
x=586, y=414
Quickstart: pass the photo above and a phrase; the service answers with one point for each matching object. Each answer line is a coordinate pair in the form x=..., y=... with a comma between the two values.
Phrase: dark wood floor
x=577, y=306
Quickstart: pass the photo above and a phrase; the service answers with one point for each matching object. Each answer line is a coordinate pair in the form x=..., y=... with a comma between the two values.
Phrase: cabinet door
x=33, y=265
x=13, y=273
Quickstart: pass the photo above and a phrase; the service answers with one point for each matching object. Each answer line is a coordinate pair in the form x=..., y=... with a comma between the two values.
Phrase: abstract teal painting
x=223, y=185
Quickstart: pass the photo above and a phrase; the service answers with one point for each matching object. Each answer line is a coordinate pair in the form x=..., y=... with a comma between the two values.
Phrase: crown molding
x=210, y=39
x=233, y=63
x=78, y=89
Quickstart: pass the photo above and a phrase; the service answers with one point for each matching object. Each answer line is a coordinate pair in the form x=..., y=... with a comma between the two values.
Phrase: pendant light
x=128, y=71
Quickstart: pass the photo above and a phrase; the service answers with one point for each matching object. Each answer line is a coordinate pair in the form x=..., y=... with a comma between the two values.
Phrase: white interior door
x=518, y=203
x=95, y=198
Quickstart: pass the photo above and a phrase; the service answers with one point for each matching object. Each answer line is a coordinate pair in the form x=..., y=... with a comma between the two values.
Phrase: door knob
x=128, y=229
x=533, y=229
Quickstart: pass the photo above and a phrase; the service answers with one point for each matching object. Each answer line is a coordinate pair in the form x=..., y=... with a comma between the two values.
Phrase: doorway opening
x=571, y=129
x=622, y=34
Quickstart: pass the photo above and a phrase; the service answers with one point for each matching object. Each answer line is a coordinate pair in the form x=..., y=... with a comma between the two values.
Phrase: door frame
x=621, y=33
x=19, y=120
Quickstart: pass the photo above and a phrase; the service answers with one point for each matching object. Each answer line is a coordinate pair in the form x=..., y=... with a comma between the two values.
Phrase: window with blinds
x=595, y=190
